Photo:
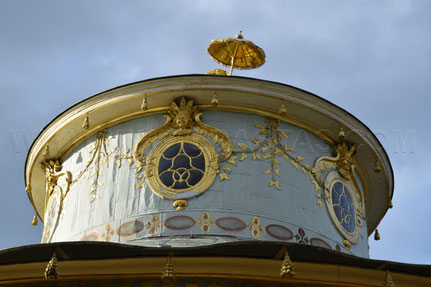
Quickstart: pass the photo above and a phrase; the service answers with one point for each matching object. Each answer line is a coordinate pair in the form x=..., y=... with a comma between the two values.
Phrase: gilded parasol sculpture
x=236, y=53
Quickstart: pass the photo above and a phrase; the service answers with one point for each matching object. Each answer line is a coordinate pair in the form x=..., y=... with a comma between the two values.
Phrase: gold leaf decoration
x=243, y=146
x=274, y=183
x=232, y=160
x=99, y=157
x=268, y=171
x=224, y=176
x=227, y=168
x=243, y=156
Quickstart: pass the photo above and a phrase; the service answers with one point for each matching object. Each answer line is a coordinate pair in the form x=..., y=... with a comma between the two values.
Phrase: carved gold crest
x=187, y=156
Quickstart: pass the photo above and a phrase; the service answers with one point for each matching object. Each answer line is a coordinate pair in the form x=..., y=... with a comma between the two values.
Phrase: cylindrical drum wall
x=265, y=189
x=197, y=160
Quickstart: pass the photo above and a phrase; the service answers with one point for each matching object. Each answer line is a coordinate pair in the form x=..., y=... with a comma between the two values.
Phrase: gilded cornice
x=269, y=99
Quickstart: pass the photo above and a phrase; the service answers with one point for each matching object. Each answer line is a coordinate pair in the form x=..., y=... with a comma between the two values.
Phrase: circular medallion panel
x=343, y=205
x=182, y=166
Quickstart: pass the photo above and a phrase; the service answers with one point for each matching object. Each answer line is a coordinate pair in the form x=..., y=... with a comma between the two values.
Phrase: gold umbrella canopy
x=236, y=53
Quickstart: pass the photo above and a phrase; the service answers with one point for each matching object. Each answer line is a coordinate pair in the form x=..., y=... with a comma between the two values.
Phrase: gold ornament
x=46, y=152
x=168, y=274
x=34, y=221
x=347, y=244
x=144, y=104
x=52, y=175
x=388, y=280
x=345, y=161
x=236, y=53
x=287, y=269
x=377, y=166
x=376, y=235
x=282, y=111
x=217, y=72
x=180, y=204
x=86, y=123
x=182, y=131
x=51, y=271
x=341, y=134
x=214, y=101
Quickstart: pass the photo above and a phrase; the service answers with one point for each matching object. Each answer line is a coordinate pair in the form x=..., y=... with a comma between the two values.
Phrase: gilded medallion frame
x=209, y=174
x=333, y=178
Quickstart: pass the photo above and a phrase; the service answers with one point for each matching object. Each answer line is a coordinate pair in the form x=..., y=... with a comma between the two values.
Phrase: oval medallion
x=279, y=232
x=179, y=222
x=231, y=224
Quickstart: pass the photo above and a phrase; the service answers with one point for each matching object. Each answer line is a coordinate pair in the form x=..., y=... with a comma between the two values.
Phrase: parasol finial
x=236, y=53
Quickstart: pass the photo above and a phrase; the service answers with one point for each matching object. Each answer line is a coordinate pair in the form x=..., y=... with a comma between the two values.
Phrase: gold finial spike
x=239, y=35
x=377, y=166
x=287, y=269
x=168, y=274
x=388, y=280
x=28, y=188
x=46, y=152
x=34, y=221
x=282, y=111
x=51, y=271
x=376, y=235
x=144, y=104
x=341, y=134
x=347, y=244
x=214, y=101
x=180, y=204
x=86, y=123
x=390, y=204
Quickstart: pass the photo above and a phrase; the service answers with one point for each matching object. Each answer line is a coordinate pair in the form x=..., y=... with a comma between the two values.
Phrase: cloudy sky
x=370, y=57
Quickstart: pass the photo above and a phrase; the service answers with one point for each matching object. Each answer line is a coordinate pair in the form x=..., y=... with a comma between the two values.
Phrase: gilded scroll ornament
x=187, y=156
x=57, y=183
x=54, y=176
x=342, y=162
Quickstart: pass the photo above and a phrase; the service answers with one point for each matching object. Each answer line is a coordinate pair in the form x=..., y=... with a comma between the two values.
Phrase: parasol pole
x=233, y=59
